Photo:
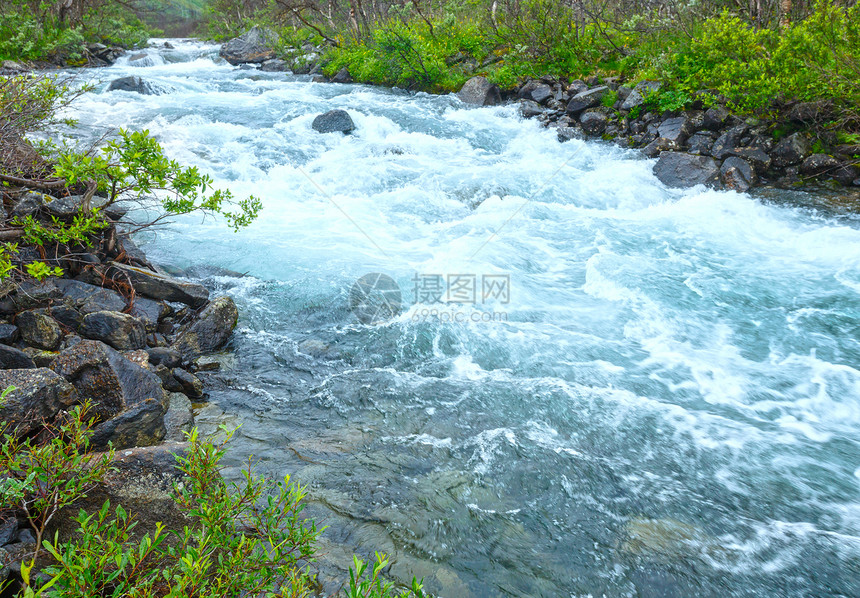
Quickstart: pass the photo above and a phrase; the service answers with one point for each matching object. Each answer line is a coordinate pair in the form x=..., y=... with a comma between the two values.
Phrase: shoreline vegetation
x=102, y=353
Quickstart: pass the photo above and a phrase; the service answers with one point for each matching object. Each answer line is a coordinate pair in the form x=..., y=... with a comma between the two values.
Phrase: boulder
x=121, y=331
x=190, y=384
x=29, y=203
x=587, y=99
x=332, y=121
x=530, y=109
x=658, y=146
x=845, y=174
x=817, y=164
x=275, y=65
x=676, y=169
x=8, y=333
x=142, y=480
x=14, y=359
x=210, y=331
x=132, y=84
x=163, y=288
x=759, y=158
x=700, y=144
x=33, y=294
x=479, y=91
x=593, y=123
x=164, y=356
x=676, y=130
x=39, y=329
x=737, y=174
x=127, y=399
x=257, y=45
x=728, y=141
x=179, y=417
x=149, y=312
x=38, y=396
x=89, y=298
x=342, y=76
x=715, y=118
x=637, y=97
x=791, y=150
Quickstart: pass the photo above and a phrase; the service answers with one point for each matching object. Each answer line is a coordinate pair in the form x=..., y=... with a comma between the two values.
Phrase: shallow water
x=667, y=404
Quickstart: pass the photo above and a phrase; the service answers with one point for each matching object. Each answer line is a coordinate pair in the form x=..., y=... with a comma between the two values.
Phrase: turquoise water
x=665, y=403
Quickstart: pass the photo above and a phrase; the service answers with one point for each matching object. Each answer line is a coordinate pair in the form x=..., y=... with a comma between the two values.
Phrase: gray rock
x=811, y=112
x=567, y=133
x=119, y=330
x=658, y=146
x=845, y=174
x=791, y=150
x=586, y=99
x=728, y=142
x=29, y=203
x=137, y=57
x=132, y=84
x=130, y=250
x=127, y=399
x=8, y=530
x=65, y=315
x=479, y=91
x=8, y=333
x=639, y=93
x=67, y=208
x=700, y=144
x=737, y=174
x=191, y=384
x=31, y=294
x=275, y=65
x=39, y=330
x=210, y=331
x=818, y=164
x=715, y=118
x=149, y=312
x=530, y=109
x=593, y=123
x=676, y=169
x=342, y=76
x=14, y=359
x=89, y=298
x=257, y=45
x=166, y=356
x=332, y=121
x=179, y=417
x=38, y=396
x=760, y=160
x=163, y=288
x=676, y=130
x=541, y=94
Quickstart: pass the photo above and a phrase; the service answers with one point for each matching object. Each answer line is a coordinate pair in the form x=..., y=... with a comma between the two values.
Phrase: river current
x=595, y=385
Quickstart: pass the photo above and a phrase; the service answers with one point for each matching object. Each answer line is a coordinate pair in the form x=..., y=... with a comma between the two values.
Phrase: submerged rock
x=479, y=91
x=332, y=121
x=132, y=84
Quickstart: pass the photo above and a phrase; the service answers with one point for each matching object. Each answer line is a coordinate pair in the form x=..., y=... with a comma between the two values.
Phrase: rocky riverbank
x=114, y=330
x=705, y=144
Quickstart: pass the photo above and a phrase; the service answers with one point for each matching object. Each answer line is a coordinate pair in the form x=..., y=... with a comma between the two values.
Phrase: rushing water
x=668, y=404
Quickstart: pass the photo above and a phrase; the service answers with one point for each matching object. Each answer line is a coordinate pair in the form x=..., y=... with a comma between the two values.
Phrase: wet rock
x=179, y=417
x=530, y=109
x=479, y=91
x=256, y=46
x=715, y=118
x=676, y=169
x=38, y=396
x=14, y=359
x=119, y=330
x=127, y=399
x=207, y=363
x=540, y=93
x=728, y=142
x=567, y=133
x=700, y=144
x=593, y=123
x=132, y=84
x=8, y=530
x=639, y=93
x=67, y=208
x=760, y=160
x=791, y=150
x=191, y=384
x=33, y=294
x=142, y=481
x=89, y=298
x=342, y=76
x=658, y=146
x=676, y=130
x=149, y=312
x=163, y=288
x=39, y=330
x=845, y=174
x=333, y=121
x=164, y=356
x=818, y=164
x=275, y=65
x=8, y=333
x=210, y=331
x=586, y=99
x=737, y=174
x=137, y=57
x=131, y=251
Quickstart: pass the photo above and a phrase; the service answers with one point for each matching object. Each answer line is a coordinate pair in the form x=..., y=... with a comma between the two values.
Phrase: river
x=594, y=385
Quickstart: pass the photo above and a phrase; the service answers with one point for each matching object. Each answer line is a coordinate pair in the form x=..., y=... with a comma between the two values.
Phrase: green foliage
x=24, y=36
x=7, y=250
x=609, y=99
x=84, y=226
x=41, y=270
x=248, y=538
